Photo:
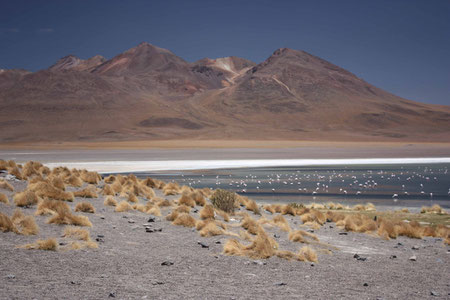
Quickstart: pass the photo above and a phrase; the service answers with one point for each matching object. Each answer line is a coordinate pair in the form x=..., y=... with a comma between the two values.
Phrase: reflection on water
x=397, y=185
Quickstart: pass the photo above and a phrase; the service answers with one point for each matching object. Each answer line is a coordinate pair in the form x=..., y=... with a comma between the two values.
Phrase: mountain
x=148, y=92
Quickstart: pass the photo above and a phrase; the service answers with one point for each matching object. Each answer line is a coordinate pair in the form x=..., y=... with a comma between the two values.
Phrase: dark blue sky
x=402, y=46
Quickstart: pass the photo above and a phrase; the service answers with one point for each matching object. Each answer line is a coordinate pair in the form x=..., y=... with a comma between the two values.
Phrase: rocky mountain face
x=150, y=93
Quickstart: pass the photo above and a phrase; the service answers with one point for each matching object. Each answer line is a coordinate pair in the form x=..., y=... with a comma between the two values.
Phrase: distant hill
x=150, y=93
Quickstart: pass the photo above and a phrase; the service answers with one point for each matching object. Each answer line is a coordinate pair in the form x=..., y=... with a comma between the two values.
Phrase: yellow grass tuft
x=6, y=224
x=58, y=183
x=65, y=217
x=249, y=204
x=123, y=206
x=250, y=225
x=262, y=247
x=155, y=210
x=185, y=220
x=25, y=198
x=224, y=215
x=288, y=255
x=281, y=222
x=269, y=208
x=163, y=203
x=140, y=207
x=171, y=188
x=16, y=172
x=117, y=187
x=4, y=198
x=435, y=209
x=90, y=177
x=172, y=216
x=85, y=207
x=198, y=197
x=186, y=200
x=207, y=212
x=211, y=229
x=132, y=198
x=88, y=192
x=108, y=190
x=6, y=185
x=44, y=189
x=183, y=209
x=307, y=254
x=110, y=201
x=25, y=224
x=51, y=207
x=49, y=244
x=288, y=210
x=76, y=233
x=110, y=179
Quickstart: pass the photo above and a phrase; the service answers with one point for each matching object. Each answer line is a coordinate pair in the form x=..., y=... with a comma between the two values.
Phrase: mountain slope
x=150, y=93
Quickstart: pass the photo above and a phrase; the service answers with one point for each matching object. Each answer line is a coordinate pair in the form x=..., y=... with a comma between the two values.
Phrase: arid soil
x=128, y=263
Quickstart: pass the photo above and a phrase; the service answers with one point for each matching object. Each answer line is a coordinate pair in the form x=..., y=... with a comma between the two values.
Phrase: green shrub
x=224, y=200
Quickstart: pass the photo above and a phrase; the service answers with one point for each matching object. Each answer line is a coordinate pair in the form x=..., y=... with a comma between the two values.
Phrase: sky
x=401, y=46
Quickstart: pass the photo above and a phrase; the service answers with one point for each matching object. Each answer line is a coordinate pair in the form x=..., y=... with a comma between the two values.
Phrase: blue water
x=411, y=185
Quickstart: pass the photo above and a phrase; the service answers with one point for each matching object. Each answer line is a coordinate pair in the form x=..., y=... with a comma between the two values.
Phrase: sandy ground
x=127, y=264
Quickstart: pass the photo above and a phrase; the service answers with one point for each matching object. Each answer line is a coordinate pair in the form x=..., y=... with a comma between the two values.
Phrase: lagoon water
x=400, y=185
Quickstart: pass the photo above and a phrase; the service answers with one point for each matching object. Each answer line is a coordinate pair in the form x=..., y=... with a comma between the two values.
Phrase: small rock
x=413, y=258
x=195, y=210
x=114, y=226
x=343, y=233
x=276, y=236
x=125, y=217
x=100, y=236
x=365, y=284
x=415, y=247
x=218, y=242
x=75, y=282
x=331, y=226
x=102, y=217
x=312, y=264
x=158, y=229
x=280, y=283
x=259, y=262
x=310, y=231
x=399, y=244
x=148, y=229
x=359, y=257
x=151, y=219
x=433, y=293
x=167, y=263
x=295, y=222
x=393, y=256
x=131, y=221
x=203, y=245
x=158, y=283
x=112, y=294
x=10, y=276
x=62, y=243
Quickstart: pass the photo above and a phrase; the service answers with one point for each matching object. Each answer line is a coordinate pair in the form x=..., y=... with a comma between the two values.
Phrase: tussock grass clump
x=51, y=207
x=110, y=179
x=163, y=203
x=387, y=230
x=31, y=168
x=224, y=215
x=251, y=205
x=155, y=210
x=25, y=224
x=171, y=188
x=314, y=216
x=65, y=217
x=58, y=183
x=172, y=216
x=81, y=245
x=25, y=198
x=435, y=209
x=132, y=198
x=262, y=247
x=186, y=200
x=76, y=233
x=85, y=207
x=140, y=207
x=4, y=198
x=250, y=224
x=211, y=229
x=44, y=189
x=307, y=254
x=288, y=255
x=3, y=165
x=117, y=187
x=198, y=197
x=207, y=212
x=6, y=185
x=358, y=223
x=49, y=245
x=74, y=180
x=108, y=190
x=183, y=209
x=269, y=208
x=300, y=236
x=281, y=223
x=367, y=207
x=88, y=192
x=110, y=201
x=123, y=206
x=16, y=172
x=288, y=210
x=90, y=177
x=185, y=220
x=6, y=224
x=224, y=200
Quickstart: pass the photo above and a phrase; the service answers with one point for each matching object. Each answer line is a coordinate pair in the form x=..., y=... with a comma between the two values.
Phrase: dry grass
x=314, y=216
x=132, y=198
x=198, y=198
x=25, y=224
x=262, y=247
x=31, y=168
x=207, y=212
x=435, y=209
x=26, y=198
x=65, y=217
x=123, y=206
x=16, y=172
x=90, y=177
x=269, y=208
x=44, y=189
x=58, y=183
x=155, y=210
x=88, y=192
x=172, y=216
x=3, y=165
x=171, y=188
x=49, y=244
x=357, y=223
x=185, y=220
x=6, y=224
x=140, y=207
x=51, y=207
x=224, y=200
x=281, y=223
x=250, y=224
x=249, y=204
x=117, y=187
x=186, y=200
x=6, y=185
x=288, y=210
x=110, y=201
x=224, y=215
x=183, y=209
x=4, y=199
x=77, y=233
x=211, y=229
x=85, y=207
x=110, y=179
x=108, y=190
x=163, y=202
x=307, y=254
x=74, y=180
x=300, y=236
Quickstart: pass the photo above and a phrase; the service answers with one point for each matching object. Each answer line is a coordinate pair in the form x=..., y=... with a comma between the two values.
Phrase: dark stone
x=131, y=221
x=125, y=217
x=158, y=283
x=365, y=284
x=415, y=247
x=218, y=242
x=343, y=233
x=331, y=226
x=399, y=244
x=75, y=282
x=433, y=293
x=151, y=219
x=148, y=229
x=100, y=236
x=393, y=256
x=280, y=283
x=112, y=294
x=10, y=276
x=167, y=263
x=203, y=245
x=276, y=236
x=359, y=257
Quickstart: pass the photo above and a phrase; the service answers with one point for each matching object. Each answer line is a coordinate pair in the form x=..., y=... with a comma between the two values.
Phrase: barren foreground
x=129, y=262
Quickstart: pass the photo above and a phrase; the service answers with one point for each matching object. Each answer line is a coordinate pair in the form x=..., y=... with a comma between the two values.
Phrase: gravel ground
x=128, y=264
